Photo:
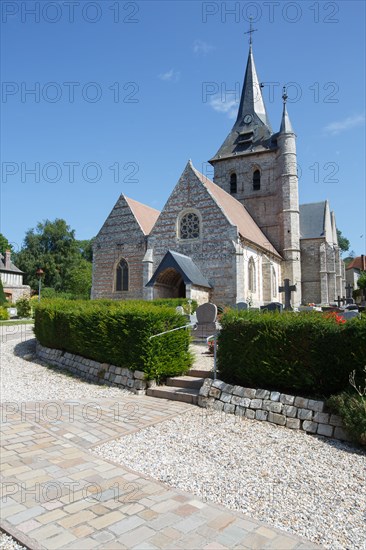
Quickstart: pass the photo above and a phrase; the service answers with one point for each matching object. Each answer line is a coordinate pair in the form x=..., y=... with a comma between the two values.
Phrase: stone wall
x=297, y=413
x=100, y=373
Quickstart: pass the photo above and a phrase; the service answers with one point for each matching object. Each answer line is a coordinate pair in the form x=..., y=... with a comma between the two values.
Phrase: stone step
x=193, y=382
x=187, y=395
x=197, y=373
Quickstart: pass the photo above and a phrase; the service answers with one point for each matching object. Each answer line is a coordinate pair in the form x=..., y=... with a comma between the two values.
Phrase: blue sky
x=125, y=92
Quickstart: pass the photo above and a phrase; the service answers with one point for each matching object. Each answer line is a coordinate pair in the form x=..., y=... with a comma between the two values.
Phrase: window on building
x=189, y=227
x=122, y=276
x=252, y=286
x=256, y=180
x=233, y=183
x=274, y=283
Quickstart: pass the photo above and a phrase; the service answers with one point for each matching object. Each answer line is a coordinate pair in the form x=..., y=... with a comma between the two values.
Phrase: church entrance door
x=169, y=284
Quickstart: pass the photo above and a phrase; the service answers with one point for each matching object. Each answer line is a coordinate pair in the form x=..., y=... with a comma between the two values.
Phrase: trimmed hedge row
x=305, y=352
x=116, y=333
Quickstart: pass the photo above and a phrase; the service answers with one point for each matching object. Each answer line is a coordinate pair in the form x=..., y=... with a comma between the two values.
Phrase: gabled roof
x=145, y=215
x=312, y=220
x=12, y=268
x=188, y=270
x=358, y=263
x=236, y=213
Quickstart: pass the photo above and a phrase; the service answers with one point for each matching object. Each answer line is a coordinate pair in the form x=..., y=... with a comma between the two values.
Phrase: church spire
x=252, y=129
x=286, y=126
x=251, y=102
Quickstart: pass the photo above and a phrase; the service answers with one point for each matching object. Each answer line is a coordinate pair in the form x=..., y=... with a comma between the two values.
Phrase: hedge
x=117, y=333
x=303, y=352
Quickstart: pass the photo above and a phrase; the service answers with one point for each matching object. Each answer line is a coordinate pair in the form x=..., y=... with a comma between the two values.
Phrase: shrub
x=175, y=302
x=24, y=308
x=117, y=333
x=351, y=407
x=2, y=294
x=4, y=313
x=300, y=352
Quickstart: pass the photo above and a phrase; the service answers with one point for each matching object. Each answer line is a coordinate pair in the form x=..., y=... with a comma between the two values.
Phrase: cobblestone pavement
x=57, y=494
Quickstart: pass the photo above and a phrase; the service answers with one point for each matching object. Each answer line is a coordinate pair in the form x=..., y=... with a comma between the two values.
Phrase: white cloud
x=202, y=48
x=229, y=107
x=170, y=76
x=348, y=123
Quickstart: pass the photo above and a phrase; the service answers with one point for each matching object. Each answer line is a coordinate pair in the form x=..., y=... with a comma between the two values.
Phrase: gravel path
x=306, y=485
x=309, y=486
x=30, y=380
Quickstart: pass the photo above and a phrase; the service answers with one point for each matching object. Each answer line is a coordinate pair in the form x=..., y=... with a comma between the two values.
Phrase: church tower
x=258, y=167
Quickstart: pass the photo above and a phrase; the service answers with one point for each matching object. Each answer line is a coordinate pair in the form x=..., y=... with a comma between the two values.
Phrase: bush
x=351, y=407
x=117, y=333
x=24, y=309
x=2, y=294
x=175, y=302
x=4, y=313
x=303, y=352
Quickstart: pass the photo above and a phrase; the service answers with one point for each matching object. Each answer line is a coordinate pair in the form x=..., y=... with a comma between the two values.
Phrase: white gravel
x=308, y=486
x=30, y=380
x=8, y=543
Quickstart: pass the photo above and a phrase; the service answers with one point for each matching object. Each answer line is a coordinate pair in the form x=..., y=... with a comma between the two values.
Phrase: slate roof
x=237, y=214
x=145, y=215
x=312, y=220
x=12, y=268
x=184, y=265
x=256, y=134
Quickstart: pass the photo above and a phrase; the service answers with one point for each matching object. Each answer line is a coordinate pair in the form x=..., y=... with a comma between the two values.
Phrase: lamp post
x=39, y=274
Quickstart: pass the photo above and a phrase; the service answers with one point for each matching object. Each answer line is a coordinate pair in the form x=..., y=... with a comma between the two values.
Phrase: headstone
x=287, y=289
x=273, y=306
x=349, y=314
x=351, y=307
x=350, y=301
x=206, y=313
x=179, y=310
x=206, y=320
x=240, y=306
x=339, y=301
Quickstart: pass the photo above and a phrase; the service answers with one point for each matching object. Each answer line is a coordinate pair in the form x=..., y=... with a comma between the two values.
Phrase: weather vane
x=284, y=94
x=251, y=30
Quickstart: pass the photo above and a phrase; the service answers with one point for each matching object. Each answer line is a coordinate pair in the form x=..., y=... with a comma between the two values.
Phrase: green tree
x=343, y=242
x=4, y=244
x=361, y=283
x=86, y=249
x=2, y=294
x=79, y=280
x=51, y=246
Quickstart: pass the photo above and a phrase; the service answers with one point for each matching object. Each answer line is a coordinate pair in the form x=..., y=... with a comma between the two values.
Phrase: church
x=236, y=238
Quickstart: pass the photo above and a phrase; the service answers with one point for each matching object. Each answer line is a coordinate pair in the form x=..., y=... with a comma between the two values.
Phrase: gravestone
x=179, y=310
x=349, y=314
x=240, y=306
x=287, y=289
x=206, y=320
x=351, y=307
x=273, y=306
x=350, y=301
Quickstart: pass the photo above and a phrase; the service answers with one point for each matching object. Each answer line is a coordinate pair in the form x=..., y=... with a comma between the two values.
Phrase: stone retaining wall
x=297, y=413
x=101, y=373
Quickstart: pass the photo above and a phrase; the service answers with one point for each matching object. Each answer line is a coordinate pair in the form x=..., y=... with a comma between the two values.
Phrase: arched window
x=274, y=283
x=122, y=275
x=233, y=183
x=252, y=286
x=189, y=226
x=256, y=180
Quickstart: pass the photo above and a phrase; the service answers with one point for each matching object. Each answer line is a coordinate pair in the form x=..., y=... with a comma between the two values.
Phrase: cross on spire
x=251, y=30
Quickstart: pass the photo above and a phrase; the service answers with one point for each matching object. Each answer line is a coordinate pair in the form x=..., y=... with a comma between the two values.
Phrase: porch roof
x=184, y=265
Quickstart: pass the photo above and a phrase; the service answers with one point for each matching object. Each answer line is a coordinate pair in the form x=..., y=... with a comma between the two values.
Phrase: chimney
x=7, y=259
